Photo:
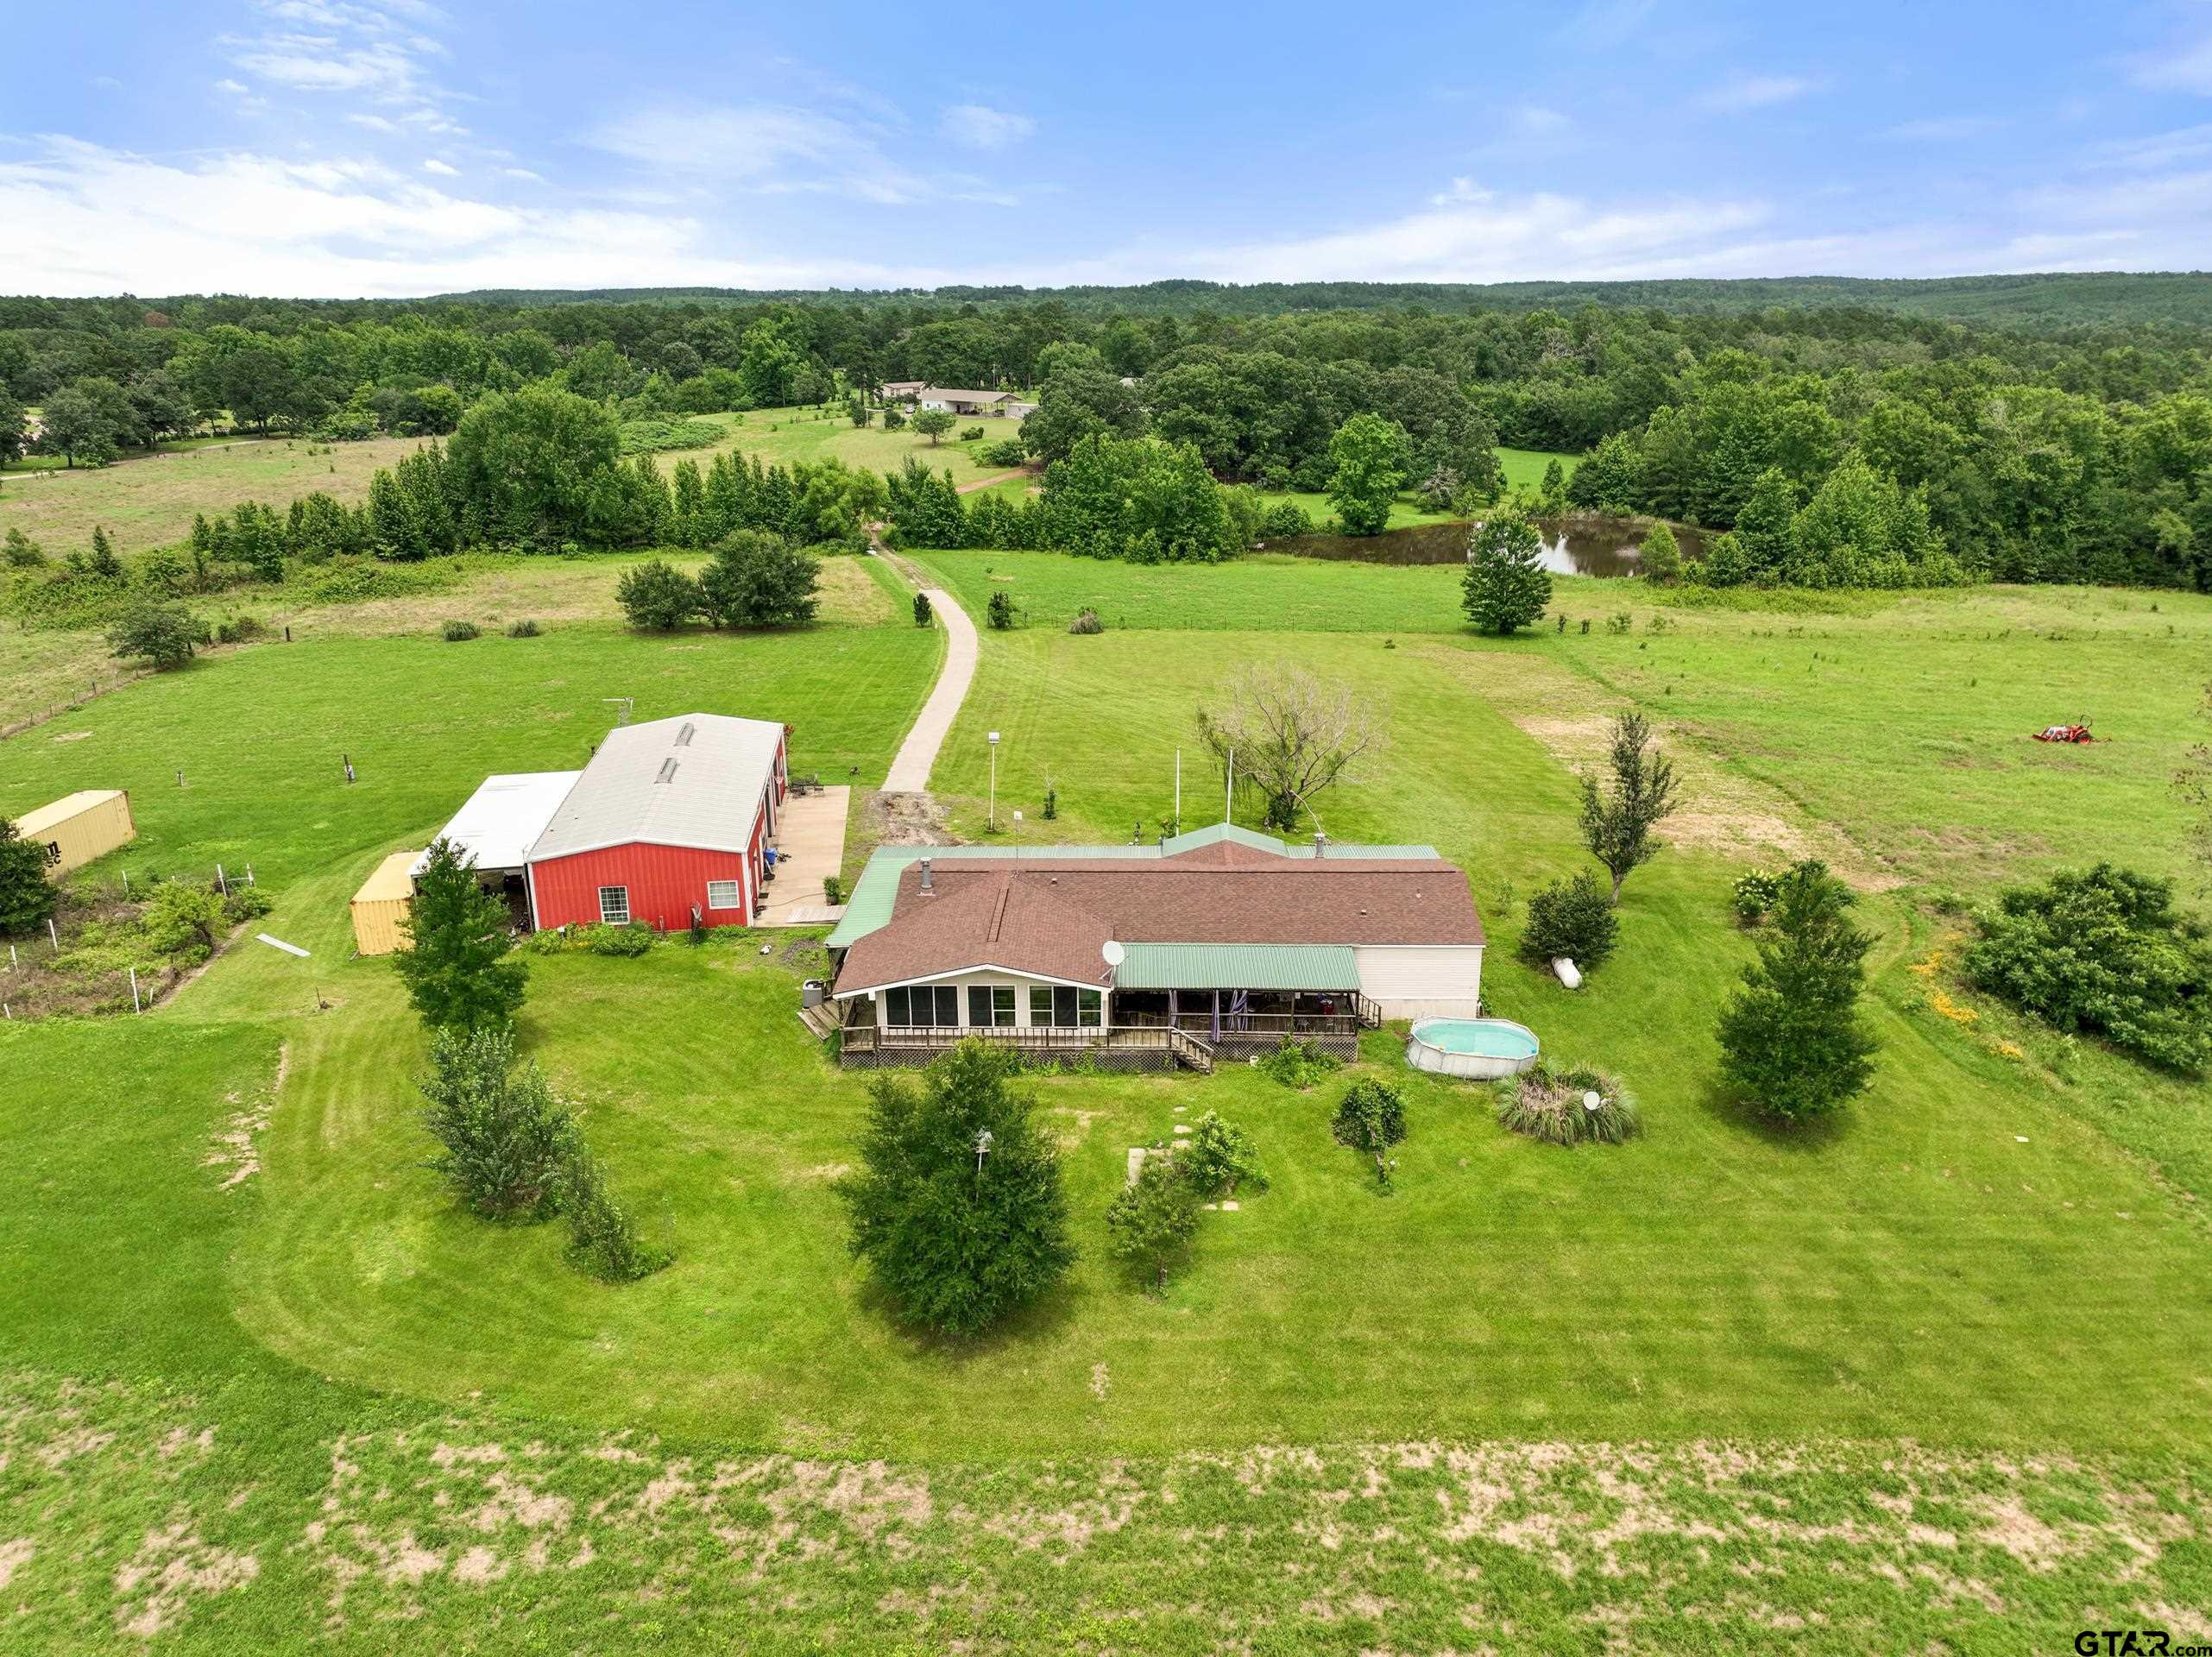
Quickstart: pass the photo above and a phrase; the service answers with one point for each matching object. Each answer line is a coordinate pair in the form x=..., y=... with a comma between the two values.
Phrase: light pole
x=1017, y=836
x=994, y=782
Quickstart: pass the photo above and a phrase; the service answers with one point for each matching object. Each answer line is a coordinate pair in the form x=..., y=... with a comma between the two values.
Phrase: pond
x=1582, y=545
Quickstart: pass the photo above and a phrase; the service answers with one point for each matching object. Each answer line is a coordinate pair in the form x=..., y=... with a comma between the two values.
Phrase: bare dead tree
x=1293, y=735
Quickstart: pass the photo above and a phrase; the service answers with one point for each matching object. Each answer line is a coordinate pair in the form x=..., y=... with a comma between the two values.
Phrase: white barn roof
x=693, y=780
x=504, y=817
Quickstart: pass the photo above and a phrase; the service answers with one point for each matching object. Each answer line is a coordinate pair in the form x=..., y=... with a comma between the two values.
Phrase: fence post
x=135, y=1005
x=53, y=936
x=223, y=884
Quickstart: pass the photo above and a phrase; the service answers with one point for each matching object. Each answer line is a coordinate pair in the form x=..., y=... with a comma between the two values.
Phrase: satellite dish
x=1114, y=951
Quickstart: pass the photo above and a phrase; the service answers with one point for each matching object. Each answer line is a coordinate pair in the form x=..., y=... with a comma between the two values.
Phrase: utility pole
x=994, y=782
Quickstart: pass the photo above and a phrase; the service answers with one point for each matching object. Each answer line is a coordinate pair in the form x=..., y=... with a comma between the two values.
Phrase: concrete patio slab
x=809, y=845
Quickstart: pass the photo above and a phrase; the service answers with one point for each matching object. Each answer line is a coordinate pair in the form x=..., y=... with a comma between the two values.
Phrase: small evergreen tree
x=1150, y=1222
x=1506, y=587
x=505, y=1143
x=658, y=596
x=103, y=561
x=1000, y=611
x=1618, y=820
x=1791, y=1037
x=1662, y=554
x=454, y=970
x=922, y=612
x=27, y=897
x=958, y=1207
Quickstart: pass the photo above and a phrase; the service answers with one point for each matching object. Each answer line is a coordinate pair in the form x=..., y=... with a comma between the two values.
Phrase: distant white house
x=902, y=391
x=965, y=402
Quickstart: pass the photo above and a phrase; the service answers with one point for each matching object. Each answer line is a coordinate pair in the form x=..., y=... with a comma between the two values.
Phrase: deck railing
x=1187, y=1048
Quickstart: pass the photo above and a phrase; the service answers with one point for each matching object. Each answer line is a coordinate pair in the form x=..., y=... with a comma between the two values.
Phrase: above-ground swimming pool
x=1484, y=1049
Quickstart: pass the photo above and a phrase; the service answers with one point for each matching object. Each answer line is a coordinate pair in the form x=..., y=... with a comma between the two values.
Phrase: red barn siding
x=664, y=882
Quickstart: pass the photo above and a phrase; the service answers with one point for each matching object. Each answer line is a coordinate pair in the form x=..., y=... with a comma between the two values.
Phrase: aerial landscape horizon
x=1105, y=831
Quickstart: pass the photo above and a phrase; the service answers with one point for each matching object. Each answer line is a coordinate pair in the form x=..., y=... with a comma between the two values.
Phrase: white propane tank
x=1568, y=973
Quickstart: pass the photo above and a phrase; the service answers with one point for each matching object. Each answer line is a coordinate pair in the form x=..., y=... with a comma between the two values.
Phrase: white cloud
x=1943, y=128
x=433, y=165
x=980, y=127
x=374, y=122
x=522, y=173
x=1747, y=92
x=83, y=219
x=2184, y=68
x=777, y=149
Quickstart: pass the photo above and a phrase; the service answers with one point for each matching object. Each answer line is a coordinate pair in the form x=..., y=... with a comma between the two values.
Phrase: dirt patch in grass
x=1721, y=810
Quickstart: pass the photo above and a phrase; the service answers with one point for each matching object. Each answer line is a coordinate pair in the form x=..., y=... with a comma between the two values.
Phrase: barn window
x=614, y=905
x=725, y=894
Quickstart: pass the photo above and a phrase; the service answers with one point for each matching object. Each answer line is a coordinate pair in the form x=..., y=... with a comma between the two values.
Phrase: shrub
x=455, y=632
x=181, y=917
x=1218, y=1157
x=1553, y=1106
x=970, y=433
x=525, y=629
x=1001, y=610
x=624, y=942
x=922, y=612
x=658, y=596
x=1791, y=1037
x=1573, y=919
x=1150, y=1222
x=27, y=897
x=1371, y=1119
x=958, y=1207
x=1298, y=1064
x=1285, y=520
x=1661, y=554
x=21, y=552
x=1087, y=621
x=505, y=1143
x=603, y=1239
x=1006, y=451
x=239, y=629
x=1753, y=894
x=163, y=635
x=833, y=889
x=2104, y=952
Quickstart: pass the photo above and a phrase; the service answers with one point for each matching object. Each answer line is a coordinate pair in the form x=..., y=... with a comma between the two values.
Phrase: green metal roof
x=869, y=905
x=1237, y=966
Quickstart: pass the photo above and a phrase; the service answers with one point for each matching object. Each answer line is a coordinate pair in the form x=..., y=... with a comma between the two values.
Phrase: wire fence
x=94, y=690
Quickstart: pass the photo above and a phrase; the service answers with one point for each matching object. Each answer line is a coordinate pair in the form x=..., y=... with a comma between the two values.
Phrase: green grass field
x=1524, y=468
x=1920, y=1379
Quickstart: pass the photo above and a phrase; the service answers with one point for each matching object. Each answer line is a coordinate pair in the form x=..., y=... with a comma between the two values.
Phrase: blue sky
x=399, y=146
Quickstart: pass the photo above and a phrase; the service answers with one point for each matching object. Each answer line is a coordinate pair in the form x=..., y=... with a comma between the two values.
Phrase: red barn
x=671, y=818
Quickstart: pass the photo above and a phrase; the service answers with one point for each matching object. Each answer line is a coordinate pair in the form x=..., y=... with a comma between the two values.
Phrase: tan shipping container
x=382, y=903
x=79, y=827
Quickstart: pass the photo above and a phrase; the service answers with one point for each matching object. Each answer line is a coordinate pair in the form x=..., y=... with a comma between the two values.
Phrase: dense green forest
x=1850, y=445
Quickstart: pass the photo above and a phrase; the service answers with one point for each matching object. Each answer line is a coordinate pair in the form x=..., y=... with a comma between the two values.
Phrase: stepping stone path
x=1182, y=1127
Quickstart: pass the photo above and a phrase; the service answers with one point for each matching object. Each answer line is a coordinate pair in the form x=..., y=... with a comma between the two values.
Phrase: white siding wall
x=1421, y=980
x=963, y=981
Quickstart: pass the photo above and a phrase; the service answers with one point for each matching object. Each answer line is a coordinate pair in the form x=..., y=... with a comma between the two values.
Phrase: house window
x=1065, y=1004
x=614, y=905
x=990, y=1004
x=725, y=894
x=1088, y=1006
x=1040, y=1004
x=924, y=1004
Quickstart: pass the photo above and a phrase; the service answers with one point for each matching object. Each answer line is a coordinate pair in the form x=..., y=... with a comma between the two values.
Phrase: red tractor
x=2065, y=733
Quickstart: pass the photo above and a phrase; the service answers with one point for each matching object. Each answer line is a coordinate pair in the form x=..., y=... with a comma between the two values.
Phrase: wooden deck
x=1118, y=1047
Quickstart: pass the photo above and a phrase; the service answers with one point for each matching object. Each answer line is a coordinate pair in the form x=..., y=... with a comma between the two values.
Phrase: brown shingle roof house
x=1232, y=936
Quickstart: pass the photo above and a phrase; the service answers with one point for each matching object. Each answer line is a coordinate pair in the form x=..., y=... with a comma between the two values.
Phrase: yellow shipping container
x=79, y=827
x=381, y=903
